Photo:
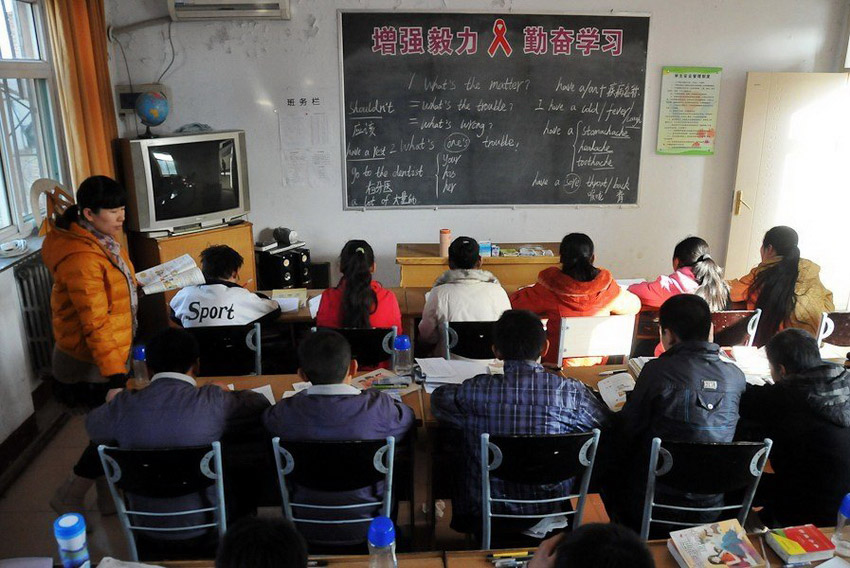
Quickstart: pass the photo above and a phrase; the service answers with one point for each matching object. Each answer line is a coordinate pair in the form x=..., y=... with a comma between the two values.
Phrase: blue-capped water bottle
x=382, y=543
x=70, y=533
x=140, y=368
x=402, y=355
x=841, y=536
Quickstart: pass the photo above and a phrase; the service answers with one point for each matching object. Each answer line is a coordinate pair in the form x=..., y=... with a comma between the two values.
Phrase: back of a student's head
x=356, y=262
x=220, y=262
x=794, y=349
x=599, y=545
x=693, y=253
x=577, y=257
x=463, y=253
x=261, y=543
x=519, y=336
x=687, y=316
x=324, y=357
x=171, y=350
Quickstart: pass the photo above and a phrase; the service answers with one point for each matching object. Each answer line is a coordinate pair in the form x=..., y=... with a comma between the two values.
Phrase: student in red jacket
x=358, y=301
x=577, y=288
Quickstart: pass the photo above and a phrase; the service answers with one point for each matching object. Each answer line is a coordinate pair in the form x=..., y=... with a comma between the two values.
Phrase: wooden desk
x=407, y=560
x=283, y=383
x=421, y=264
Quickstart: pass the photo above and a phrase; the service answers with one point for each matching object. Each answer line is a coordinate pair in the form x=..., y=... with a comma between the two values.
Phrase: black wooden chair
x=535, y=460
x=371, y=347
x=182, y=486
x=468, y=339
x=705, y=469
x=229, y=349
x=735, y=327
x=335, y=467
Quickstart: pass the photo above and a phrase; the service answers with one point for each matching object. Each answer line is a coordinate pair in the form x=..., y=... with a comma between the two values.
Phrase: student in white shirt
x=462, y=293
x=221, y=301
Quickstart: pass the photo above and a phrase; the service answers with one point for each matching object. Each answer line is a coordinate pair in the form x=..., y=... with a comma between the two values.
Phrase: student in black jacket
x=807, y=415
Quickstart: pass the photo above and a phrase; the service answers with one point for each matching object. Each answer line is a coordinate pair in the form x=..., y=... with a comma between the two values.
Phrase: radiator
x=34, y=285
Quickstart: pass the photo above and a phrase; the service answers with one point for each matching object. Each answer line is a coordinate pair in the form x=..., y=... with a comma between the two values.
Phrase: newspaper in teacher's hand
x=171, y=275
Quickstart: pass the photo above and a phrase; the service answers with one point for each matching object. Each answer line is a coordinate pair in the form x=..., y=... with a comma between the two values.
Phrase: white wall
x=15, y=371
x=234, y=74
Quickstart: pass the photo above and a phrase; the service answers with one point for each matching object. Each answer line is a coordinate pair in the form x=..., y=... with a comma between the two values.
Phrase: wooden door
x=793, y=169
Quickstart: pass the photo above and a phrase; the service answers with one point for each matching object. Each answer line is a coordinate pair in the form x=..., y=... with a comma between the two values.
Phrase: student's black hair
x=219, y=262
x=171, y=350
x=358, y=299
x=577, y=257
x=95, y=193
x=261, y=543
x=687, y=316
x=324, y=357
x=694, y=253
x=598, y=545
x=774, y=286
x=519, y=335
x=463, y=253
x=795, y=349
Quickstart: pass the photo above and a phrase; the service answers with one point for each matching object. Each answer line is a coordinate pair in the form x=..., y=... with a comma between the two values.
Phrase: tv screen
x=193, y=179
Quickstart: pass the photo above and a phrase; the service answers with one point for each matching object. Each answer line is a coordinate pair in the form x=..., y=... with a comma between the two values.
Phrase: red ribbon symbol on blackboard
x=499, y=30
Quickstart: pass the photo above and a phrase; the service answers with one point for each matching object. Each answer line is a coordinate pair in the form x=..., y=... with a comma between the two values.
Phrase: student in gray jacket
x=171, y=412
x=333, y=409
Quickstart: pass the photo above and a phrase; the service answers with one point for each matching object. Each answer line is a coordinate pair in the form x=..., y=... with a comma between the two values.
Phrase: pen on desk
x=316, y=563
x=611, y=372
x=510, y=554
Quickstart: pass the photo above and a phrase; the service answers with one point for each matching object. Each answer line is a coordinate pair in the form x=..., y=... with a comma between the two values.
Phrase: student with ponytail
x=358, y=301
x=577, y=288
x=784, y=286
x=695, y=273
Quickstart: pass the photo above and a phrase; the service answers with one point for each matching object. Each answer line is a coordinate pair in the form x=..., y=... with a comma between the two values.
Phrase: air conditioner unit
x=188, y=10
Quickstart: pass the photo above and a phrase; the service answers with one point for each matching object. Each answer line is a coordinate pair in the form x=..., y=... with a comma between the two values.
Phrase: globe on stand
x=152, y=109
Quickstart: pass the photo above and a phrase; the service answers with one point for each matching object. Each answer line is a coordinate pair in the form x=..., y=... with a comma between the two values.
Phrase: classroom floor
x=26, y=519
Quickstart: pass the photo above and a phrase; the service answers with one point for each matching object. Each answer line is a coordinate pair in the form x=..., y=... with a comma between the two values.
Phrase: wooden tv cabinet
x=147, y=251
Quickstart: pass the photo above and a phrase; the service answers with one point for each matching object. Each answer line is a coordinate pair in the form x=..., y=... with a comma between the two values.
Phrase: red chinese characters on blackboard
x=537, y=40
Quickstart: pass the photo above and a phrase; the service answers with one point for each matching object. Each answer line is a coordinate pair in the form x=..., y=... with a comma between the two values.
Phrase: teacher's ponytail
x=577, y=257
x=774, y=286
x=358, y=299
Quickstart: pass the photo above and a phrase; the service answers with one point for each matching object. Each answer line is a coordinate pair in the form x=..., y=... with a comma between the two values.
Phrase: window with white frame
x=29, y=131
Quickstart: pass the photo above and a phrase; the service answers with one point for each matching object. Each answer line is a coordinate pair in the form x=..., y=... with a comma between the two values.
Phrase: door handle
x=739, y=200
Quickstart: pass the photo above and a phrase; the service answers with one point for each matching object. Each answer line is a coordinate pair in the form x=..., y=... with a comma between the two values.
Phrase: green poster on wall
x=687, y=120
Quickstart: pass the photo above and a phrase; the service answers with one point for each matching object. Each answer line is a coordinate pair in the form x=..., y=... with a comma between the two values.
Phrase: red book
x=800, y=544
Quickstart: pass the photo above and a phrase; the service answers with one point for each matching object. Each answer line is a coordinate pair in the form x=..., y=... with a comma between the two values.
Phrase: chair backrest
x=58, y=199
x=596, y=336
x=229, y=349
x=468, y=339
x=836, y=327
x=370, y=347
x=706, y=469
x=355, y=464
x=535, y=460
x=164, y=474
x=735, y=327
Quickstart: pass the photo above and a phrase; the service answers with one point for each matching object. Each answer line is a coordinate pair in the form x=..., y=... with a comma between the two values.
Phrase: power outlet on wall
x=127, y=96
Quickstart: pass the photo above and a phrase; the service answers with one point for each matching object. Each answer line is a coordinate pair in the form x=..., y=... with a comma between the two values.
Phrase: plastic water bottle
x=140, y=369
x=841, y=536
x=402, y=355
x=382, y=543
x=70, y=533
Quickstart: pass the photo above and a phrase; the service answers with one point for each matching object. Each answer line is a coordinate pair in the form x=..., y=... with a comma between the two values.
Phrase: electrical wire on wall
x=173, y=54
x=129, y=80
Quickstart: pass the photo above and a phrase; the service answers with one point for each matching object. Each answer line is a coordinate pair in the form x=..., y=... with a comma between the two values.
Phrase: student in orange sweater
x=576, y=289
x=784, y=286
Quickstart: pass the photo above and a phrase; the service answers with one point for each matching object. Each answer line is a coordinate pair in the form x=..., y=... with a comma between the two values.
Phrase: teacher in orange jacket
x=94, y=300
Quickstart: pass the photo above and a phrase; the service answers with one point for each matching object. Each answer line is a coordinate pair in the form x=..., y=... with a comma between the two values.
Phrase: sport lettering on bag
x=200, y=313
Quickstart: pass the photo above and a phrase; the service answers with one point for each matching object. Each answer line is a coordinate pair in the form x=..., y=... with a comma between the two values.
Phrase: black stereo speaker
x=303, y=272
x=276, y=271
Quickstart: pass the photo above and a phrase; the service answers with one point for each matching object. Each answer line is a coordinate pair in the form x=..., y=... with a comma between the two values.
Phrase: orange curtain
x=78, y=35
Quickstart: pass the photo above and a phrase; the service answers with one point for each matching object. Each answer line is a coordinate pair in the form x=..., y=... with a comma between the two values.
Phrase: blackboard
x=471, y=109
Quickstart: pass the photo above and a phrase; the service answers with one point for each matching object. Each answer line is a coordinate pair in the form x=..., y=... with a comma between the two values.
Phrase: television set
x=185, y=183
